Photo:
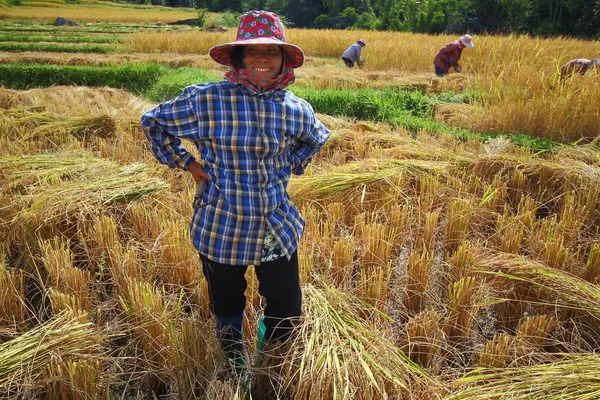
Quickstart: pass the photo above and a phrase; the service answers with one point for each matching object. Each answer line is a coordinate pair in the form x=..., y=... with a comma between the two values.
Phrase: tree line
x=577, y=18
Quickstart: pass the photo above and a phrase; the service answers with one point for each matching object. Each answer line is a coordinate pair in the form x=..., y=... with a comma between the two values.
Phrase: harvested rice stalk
x=337, y=354
x=353, y=175
x=46, y=187
x=553, y=178
x=574, y=376
x=102, y=126
x=13, y=312
x=551, y=287
x=25, y=359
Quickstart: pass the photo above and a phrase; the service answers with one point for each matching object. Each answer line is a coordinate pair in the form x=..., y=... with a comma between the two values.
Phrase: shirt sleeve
x=165, y=125
x=308, y=144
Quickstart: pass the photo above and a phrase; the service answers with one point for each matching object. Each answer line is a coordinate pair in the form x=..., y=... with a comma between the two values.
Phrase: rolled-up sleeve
x=308, y=144
x=166, y=125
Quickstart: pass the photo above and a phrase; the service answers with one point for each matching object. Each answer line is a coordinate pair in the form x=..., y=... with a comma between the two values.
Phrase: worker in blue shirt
x=351, y=55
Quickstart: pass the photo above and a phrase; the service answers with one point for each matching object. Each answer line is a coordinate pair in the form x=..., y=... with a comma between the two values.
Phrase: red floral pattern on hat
x=258, y=27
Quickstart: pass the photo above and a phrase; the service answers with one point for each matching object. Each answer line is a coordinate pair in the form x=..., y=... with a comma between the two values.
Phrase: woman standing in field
x=251, y=135
x=449, y=55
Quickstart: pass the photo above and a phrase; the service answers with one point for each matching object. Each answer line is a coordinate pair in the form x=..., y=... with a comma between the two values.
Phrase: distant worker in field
x=449, y=55
x=352, y=54
x=578, y=66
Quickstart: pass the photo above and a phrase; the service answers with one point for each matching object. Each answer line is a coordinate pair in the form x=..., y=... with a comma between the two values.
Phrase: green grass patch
x=57, y=48
x=539, y=145
x=409, y=109
x=136, y=78
x=173, y=82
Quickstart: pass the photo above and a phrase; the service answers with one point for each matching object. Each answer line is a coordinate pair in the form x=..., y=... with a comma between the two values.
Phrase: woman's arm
x=165, y=126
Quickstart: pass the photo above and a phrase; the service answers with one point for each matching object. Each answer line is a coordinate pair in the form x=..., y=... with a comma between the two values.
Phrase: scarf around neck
x=247, y=78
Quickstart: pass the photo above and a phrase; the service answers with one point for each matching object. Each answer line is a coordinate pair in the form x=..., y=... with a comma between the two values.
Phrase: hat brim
x=222, y=53
x=468, y=44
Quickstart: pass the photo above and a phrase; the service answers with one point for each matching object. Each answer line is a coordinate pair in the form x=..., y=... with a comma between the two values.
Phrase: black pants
x=440, y=72
x=278, y=283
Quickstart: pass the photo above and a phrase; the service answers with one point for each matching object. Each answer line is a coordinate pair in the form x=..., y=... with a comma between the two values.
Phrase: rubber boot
x=229, y=333
x=260, y=341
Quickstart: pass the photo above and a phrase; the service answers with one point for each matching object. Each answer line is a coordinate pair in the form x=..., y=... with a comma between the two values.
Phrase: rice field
x=434, y=266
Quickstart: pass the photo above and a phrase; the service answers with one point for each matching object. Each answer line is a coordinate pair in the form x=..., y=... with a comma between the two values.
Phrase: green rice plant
x=24, y=360
x=337, y=354
x=570, y=376
x=86, y=48
x=58, y=39
x=133, y=77
x=171, y=84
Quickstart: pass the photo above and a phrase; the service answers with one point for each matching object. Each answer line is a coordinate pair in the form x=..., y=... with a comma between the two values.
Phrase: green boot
x=260, y=341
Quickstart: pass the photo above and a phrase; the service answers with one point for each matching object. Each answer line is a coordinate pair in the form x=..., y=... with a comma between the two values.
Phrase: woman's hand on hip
x=198, y=172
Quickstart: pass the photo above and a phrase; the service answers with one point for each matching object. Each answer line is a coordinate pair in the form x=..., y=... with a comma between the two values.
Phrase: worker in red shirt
x=578, y=66
x=449, y=55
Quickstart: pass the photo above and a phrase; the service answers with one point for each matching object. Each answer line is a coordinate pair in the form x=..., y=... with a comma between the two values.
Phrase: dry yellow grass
x=94, y=11
x=398, y=221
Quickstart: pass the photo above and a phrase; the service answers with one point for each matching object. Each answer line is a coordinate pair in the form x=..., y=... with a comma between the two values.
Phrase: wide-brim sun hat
x=362, y=41
x=258, y=27
x=467, y=40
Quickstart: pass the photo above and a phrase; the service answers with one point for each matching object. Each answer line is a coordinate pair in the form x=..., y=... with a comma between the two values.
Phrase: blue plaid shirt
x=250, y=144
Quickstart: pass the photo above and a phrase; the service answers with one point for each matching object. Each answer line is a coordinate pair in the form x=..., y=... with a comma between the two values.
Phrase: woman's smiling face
x=263, y=59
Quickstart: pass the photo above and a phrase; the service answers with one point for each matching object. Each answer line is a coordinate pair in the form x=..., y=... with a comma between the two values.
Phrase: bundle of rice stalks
x=367, y=172
x=574, y=376
x=549, y=287
x=553, y=179
x=47, y=187
x=24, y=360
x=33, y=125
x=337, y=354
